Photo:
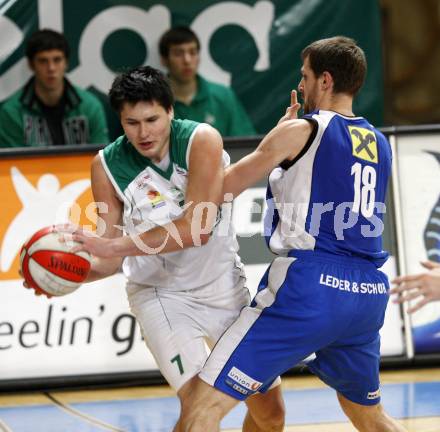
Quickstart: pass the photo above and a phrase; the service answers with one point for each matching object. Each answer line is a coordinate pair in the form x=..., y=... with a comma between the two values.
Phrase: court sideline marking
x=86, y=417
x=4, y=427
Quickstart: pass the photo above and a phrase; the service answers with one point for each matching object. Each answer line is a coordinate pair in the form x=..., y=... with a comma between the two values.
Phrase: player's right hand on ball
x=27, y=286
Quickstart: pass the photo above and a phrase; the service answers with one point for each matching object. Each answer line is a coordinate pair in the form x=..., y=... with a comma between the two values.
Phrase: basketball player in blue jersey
x=323, y=294
x=162, y=182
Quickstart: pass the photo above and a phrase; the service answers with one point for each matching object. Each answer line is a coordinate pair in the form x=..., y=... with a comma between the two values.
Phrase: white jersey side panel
x=291, y=191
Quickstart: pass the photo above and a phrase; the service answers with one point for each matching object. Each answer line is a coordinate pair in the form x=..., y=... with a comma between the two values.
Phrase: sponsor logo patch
x=180, y=170
x=142, y=181
x=374, y=395
x=156, y=199
x=237, y=387
x=244, y=380
x=364, y=143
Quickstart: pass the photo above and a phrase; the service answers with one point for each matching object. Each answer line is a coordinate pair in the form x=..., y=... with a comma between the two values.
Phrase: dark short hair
x=141, y=84
x=342, y=58
x=45, y=40
x=176, y=36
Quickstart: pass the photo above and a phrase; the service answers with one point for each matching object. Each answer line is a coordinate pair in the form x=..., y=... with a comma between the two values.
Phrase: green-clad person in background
x=49, y=110
x=162, y=181
x=195, y=97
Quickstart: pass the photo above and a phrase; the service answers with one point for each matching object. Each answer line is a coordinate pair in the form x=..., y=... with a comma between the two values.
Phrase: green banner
x=253, y=46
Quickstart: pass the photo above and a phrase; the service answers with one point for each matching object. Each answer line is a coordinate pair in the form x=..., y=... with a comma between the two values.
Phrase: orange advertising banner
x=39, y=191
x=86, y=332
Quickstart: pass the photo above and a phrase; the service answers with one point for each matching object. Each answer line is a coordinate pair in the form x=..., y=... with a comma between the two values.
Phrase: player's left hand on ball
x=292, y=109
x=91, y=243
x=84, y=240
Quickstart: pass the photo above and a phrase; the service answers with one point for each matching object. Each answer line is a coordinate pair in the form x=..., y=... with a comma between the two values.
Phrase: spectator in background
x=49, y=110
x=195, y=97
x=424, y=287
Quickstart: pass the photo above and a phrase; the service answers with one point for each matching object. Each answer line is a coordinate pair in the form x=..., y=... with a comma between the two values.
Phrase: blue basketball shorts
x=309, y=303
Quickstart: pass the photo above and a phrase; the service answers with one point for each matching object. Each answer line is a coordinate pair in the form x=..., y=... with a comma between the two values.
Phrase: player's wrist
x=121, y=247
x=116, y=248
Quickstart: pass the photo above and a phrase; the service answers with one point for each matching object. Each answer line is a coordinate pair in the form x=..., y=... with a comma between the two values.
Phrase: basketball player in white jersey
x=162, y=181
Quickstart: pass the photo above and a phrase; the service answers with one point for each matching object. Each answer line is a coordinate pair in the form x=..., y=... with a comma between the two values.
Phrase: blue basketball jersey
x=331, y=197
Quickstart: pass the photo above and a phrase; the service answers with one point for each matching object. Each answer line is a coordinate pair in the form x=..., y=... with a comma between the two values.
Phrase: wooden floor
x=413, y=425
x=297, y=383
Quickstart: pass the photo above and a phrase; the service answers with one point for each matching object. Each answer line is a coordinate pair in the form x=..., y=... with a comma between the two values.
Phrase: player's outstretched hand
x=292, y=109
x=425, y=286
x=430, y=265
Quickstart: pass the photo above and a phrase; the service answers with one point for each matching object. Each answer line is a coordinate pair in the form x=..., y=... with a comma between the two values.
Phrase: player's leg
x=203, y=313
x=350, y=364
x=369, y=418
x=269, y=337
x=228, y=296
x=353, y=371
x=174, y=339
x=184, y=394
x=266, y=411
x=205, y=408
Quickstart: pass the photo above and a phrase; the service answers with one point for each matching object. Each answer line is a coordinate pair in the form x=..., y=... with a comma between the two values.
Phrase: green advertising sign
x=253, y=46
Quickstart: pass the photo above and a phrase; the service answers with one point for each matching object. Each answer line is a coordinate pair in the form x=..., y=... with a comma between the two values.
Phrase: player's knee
x=273, y=415
x=279, y=414
x=366, y=418
x=186, y=392
x=200, y=413
x=195, y=405
x=378, y=420
x=272, y=420
x=277, y=417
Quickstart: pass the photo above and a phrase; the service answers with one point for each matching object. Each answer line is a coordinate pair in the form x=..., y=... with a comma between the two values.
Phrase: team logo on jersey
x=156, y=199
x=142, y=181
x=364, y=143
x=180, y=170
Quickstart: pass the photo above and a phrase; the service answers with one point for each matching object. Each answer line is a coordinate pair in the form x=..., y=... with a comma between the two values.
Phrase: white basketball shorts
x=178, y=325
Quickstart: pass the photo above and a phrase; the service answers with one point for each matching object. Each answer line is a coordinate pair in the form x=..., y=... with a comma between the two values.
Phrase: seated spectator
x=195, y=97
x=49, y=110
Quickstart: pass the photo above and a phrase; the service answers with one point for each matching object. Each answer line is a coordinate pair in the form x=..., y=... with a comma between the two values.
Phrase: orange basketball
x=49, y=267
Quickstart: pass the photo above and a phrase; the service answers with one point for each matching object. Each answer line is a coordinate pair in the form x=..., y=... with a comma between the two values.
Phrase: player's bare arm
x=109, y=220
x=283, y=142
x=193, y=228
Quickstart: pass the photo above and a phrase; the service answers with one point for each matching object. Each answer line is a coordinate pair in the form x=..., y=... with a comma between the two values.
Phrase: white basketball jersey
x=154, y=196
